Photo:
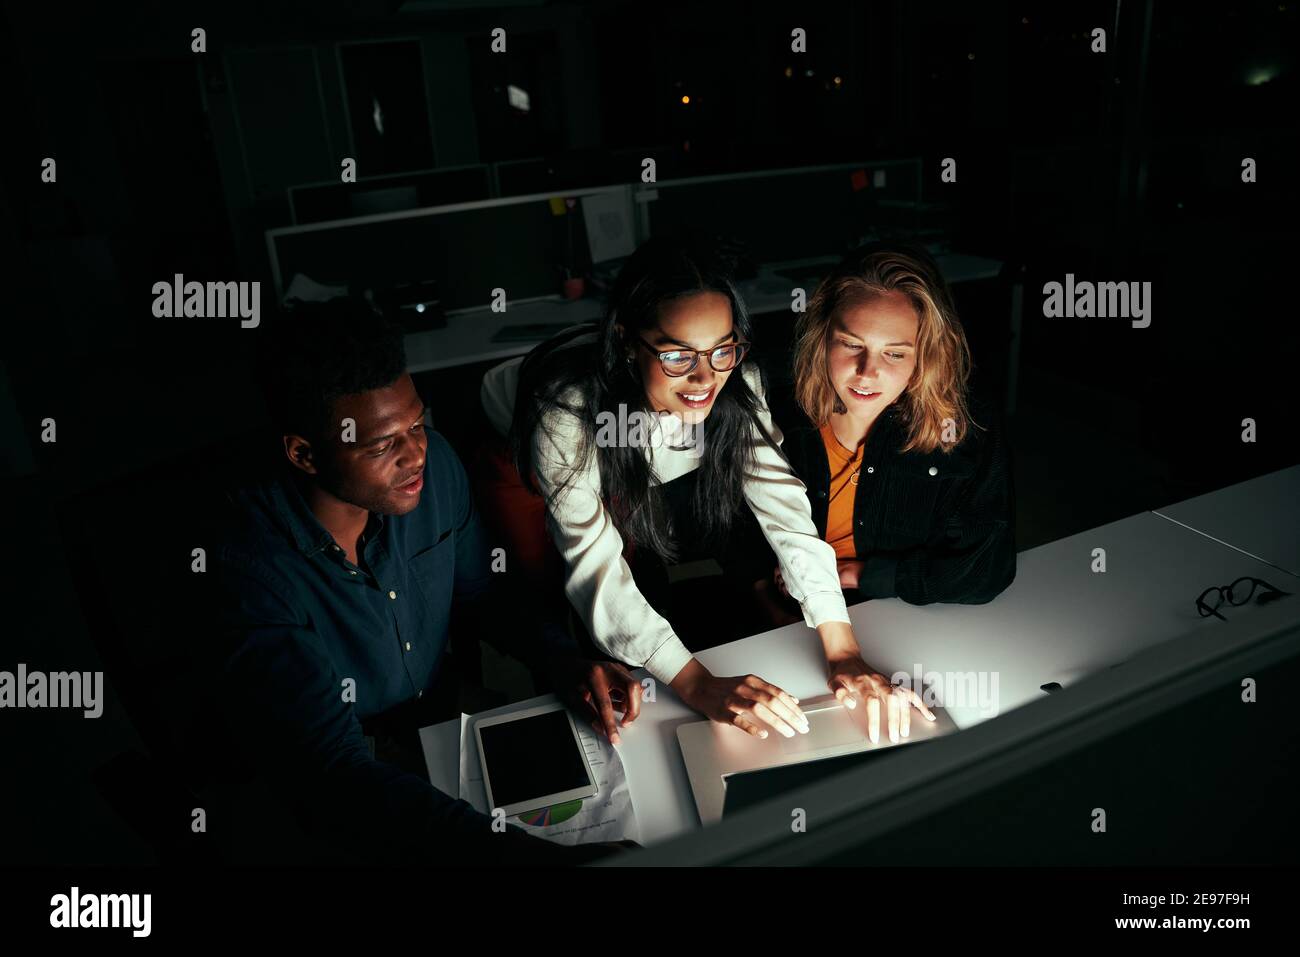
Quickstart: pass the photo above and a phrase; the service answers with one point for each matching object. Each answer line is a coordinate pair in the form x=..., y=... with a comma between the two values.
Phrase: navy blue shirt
x=311, y=645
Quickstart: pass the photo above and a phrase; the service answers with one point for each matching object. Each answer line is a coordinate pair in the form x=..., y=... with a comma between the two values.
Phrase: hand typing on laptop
x=746, y=701
x=853, y=681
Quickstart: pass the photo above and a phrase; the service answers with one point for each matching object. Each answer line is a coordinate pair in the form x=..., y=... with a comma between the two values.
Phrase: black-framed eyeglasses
x=680, y=362
x=1236, y=594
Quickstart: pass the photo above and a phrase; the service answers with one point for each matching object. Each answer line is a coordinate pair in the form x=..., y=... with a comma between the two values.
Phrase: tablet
x=532, y=759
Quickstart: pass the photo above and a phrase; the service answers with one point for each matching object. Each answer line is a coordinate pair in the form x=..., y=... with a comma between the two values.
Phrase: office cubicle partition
x=525, y=243
x=790, y=216
x=571, y=171
x=522, y=244
x=390, y=193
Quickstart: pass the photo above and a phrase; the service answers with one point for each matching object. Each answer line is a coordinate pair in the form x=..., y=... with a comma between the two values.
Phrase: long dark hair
x=659, y=271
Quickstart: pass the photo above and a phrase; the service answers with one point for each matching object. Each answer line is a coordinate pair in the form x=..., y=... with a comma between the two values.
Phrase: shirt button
x=408, y=646
x=933, y=470
x=393, y=595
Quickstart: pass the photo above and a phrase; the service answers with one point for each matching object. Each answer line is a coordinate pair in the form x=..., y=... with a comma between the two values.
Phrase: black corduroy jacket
x=929, y=527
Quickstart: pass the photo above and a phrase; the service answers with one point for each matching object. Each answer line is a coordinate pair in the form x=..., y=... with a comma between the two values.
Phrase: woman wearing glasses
x=911, y=491
x=690, y=473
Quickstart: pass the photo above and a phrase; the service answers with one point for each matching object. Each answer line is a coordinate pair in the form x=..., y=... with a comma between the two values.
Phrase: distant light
x=686, y=101
x=518, y=98
x=970, y=56
x=1259, y=76
x=419, y=307
x=839, y=80
x=789, y=72
x=1025, y=21
x=807, y=72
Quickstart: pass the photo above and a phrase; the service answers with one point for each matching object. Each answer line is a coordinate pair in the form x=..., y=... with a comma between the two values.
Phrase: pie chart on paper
x=555, y=814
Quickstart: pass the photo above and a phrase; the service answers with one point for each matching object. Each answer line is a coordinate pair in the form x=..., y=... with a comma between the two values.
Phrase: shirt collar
x=308, y=534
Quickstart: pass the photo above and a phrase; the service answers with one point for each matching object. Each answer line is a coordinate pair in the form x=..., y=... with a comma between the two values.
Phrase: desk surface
x=467, y=338
x=1258, y=517
x=1058, y=621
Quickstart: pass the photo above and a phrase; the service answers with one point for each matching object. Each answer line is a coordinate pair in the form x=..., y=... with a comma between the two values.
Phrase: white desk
x=1260, y=518
x=1057, y=622
x=467, y=337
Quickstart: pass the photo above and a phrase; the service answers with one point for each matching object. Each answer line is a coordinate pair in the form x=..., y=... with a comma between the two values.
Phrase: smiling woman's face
x=872, y=353
x=700, y=321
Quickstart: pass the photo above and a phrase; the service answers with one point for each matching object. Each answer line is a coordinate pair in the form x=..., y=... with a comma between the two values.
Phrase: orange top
x=844, y=472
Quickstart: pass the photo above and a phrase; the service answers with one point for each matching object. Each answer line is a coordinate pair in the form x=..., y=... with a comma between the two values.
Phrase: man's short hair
x=317, y=352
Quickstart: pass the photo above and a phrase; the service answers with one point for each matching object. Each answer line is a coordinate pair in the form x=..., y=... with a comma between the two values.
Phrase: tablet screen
x=532, y=758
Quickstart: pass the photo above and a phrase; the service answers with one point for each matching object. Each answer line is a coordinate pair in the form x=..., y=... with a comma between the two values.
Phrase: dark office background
x=1122, y=166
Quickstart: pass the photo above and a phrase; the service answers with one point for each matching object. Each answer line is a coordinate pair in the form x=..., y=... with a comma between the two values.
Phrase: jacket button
x=933, y=470
x=821, y=493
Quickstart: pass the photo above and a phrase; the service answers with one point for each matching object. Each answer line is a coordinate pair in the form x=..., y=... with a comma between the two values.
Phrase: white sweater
x=598, y=580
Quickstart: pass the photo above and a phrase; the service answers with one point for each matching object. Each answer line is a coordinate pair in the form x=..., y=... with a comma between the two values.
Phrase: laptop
x=714, y=752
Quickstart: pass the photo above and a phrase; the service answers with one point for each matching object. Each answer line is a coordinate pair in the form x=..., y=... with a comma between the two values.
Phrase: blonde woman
x=911, y=490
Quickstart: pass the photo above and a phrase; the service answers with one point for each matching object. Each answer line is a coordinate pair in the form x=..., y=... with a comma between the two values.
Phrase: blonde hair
x=936, y=393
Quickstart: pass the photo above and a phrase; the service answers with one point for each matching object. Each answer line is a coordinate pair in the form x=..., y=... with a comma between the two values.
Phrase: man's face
x=382, y=470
